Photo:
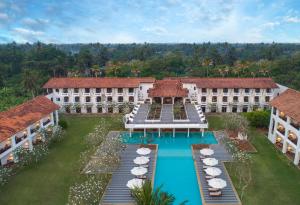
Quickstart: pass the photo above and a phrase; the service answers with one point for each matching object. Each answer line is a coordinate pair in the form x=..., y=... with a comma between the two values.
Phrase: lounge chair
x=208, y=177
x=142, y=177
x=215, y=193
x=205, y=166
x=144, y=165
x=213, y=189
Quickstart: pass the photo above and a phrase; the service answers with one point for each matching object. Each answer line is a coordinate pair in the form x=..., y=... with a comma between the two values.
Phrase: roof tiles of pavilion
x=168, y=88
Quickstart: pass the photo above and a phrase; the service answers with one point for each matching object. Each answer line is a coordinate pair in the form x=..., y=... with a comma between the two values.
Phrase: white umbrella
x=143, y=151
x=207, y=152
x=135, y=183
x=141, y=160
x=217, y=183
x=138, y=171
x=213, y=171
x=210, y=161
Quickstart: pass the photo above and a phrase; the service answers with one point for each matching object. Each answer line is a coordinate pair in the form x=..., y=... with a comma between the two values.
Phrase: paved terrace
x=166, y=115
x=229, y=195
x=117, y=193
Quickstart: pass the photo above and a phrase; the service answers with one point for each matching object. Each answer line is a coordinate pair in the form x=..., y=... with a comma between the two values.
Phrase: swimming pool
x=175, y=168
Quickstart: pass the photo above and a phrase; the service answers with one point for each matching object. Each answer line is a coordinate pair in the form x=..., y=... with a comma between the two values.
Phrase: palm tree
x=147, y=196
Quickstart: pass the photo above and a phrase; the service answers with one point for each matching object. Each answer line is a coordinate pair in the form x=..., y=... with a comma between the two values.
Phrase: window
x=213, y=109
x=99, y=110
x=236, y=90
x=224, y=109
x=141, y=88
x=234, y=109
x=68, y=110
x=235, y=99
x=87, y=90
x=120, y=90
x=130, y=90
x=66, y=99
x=110, y=110
x=257, y=90
x=225, y=90
x=57, y=99
x=109, y=99
x=98, y=90
x=215, y=90
x=57, y=90
x=203, y=99
x=194, y=88
x=89, y=109
x=268, y=90
x=246, y=99
x=78, y=110
x=88, y=99
x=256, y=99
x=108, y=90
x=245, y=108
x=76, y=90
x=120, y=99
x=214, y=99
x=77, y=99
x=247, y=90
x=98, y=99
x=203, y=90
x=50, y=90
x=65, y=90
x=203, y=108
x=267, y=98
x=274, y=111
x=225, y=99
x=131, y=99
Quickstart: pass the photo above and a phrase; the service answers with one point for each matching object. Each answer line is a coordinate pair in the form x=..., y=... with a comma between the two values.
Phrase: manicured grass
x=215, y=122
x=48, y=182
x=275, y=179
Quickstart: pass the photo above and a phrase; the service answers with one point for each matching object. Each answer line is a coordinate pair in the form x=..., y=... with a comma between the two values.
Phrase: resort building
x=19, y=126
x=108, y=95
x=284, y=129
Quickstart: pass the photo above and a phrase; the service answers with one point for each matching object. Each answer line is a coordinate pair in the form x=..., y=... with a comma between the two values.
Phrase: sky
x=152, y=21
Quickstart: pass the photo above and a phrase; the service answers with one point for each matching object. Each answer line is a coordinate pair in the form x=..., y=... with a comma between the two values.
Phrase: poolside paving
x=117, y=192
x=229, y=194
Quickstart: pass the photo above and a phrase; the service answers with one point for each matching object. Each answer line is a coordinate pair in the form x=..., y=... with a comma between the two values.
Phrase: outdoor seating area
x=201, y=114
x=133, y=113
x=137, y=165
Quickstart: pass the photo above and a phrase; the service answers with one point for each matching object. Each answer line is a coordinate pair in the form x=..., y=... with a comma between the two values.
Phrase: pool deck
x=229, y=195
x=117, y=193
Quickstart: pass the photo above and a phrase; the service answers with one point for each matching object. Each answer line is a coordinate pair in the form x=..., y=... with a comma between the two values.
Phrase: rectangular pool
x=175, y=168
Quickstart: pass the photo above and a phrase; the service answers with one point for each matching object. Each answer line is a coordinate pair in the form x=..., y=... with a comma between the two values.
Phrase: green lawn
x=48, y=182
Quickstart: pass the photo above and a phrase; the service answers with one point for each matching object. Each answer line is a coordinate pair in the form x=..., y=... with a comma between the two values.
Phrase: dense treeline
x=25, y=67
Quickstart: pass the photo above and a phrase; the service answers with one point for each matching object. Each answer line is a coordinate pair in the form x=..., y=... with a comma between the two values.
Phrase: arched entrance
x=167, y=100
x=157, y=100
x=178, y=100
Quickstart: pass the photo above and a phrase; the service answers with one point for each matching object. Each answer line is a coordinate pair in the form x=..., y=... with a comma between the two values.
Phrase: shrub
x=236, y=123
x=27, y=157
x=63, y=124
x=5, y=174
x=259, y=118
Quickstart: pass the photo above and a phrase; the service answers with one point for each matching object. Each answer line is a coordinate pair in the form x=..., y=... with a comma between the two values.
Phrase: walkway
x=142, y=114
x=167, y=114
x=117, y=192
x=229, y=194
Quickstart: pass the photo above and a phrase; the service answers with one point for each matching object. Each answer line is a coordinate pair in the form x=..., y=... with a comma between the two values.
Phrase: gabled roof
x=231, y=82
x=97, y=82
x=20, y=117
x=168, y=88
x=289, y=103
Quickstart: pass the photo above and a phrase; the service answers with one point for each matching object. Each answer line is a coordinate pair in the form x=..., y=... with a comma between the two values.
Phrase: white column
x=188, y=133
x=52, y=118
x=158, y=132
x=271, y=125
x=30, y=146
x=130, y=134
x=173, y=132
x=144, y=132
x=56, y=116
x=284, y=147
x=13, y=141
x=202, y=132
x=297, y=156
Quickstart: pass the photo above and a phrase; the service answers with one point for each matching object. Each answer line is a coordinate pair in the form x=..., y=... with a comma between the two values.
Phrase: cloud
x=291, y=19
x=27, y=35
x=3, y=17
x=157, y=30
x=270, y=25
x=35, y=24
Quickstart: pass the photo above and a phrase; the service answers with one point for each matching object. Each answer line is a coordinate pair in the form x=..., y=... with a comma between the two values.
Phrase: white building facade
x=17, y=128
x=108, y=95
x=284, y=129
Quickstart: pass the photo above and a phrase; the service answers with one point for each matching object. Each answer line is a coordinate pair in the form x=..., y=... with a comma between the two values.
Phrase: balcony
x=46, y=122
x=293, y=138
x=35, y=129
x=281, y=129
x=6, y=147
x=295, y=125
x=20, y=139
x=282, y=116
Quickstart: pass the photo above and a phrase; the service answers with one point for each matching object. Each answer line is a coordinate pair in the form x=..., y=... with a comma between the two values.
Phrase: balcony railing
x=294, y=140
x=19, y=139
x=282, y=131
x=283, y=117
x=33, y=130
x=6, y=147
x=295, y=125
x=46, y=122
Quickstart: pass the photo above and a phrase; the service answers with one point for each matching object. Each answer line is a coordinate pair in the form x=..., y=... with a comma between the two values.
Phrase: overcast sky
x=163, y=21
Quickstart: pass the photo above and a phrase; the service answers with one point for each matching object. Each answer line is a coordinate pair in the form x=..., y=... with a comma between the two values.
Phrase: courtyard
x=275, y=178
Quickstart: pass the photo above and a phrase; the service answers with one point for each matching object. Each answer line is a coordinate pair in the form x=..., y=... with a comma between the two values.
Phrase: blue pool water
x=175, y=168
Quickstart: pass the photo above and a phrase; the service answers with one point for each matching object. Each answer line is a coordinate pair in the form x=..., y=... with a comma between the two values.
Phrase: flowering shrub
x=5, y=174
x=27, y=157
x=89, y=191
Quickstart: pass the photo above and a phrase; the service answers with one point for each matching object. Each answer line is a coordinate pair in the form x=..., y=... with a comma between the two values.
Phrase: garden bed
x=179, y=112
x=154, y=112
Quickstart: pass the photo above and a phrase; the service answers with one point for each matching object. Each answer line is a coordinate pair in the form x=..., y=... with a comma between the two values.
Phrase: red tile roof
x=20, y=117
x=231, y=82
x=168, y=88
x=289, y=103
x=97, y=82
